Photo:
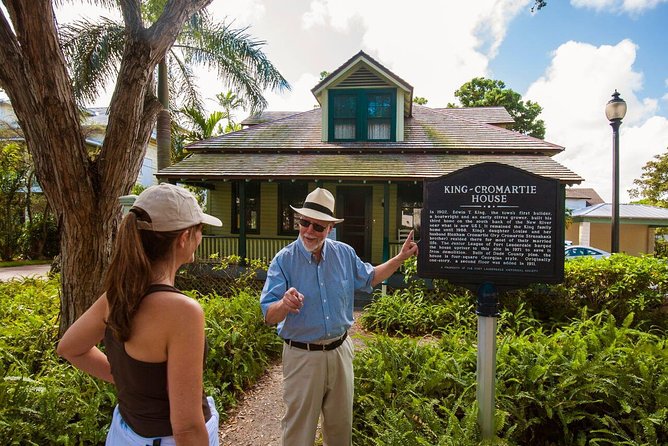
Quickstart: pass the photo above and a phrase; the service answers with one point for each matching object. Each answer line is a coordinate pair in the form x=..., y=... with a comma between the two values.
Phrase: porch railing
x=223, y=246
x=256, y=248
x=265, y=248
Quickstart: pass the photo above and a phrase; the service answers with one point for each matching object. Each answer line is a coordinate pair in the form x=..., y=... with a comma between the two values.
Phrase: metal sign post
x=488, y=312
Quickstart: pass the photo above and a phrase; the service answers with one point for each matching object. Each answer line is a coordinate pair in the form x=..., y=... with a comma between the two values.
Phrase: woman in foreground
x=153, y=334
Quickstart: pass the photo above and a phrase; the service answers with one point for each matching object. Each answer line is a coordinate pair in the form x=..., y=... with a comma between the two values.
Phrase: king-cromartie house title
x=491, y=193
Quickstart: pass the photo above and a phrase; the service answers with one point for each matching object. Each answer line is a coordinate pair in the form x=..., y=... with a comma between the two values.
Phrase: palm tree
x=94, y=50
x=203, y=126
x=230, y=101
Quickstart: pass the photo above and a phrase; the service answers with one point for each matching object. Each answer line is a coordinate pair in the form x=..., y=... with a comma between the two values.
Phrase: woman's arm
x=79, y=343
x=185, y=353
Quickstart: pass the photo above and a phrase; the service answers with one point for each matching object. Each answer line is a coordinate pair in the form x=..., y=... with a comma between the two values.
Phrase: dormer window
x=362, y=115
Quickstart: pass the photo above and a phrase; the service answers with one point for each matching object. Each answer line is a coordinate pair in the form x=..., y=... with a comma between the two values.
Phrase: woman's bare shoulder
x=177, y=307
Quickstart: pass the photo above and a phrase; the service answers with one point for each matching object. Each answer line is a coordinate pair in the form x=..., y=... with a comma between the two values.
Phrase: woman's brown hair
x=130, y=272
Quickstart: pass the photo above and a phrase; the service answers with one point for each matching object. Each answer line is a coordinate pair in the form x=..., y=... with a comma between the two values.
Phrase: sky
x=568, y=57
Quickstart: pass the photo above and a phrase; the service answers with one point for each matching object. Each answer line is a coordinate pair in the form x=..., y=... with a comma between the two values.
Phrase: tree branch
x=133, y=99
x=42, y=98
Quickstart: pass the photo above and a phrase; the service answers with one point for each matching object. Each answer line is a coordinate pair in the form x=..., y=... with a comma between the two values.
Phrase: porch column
x=242, y=220
x=585, y=234
x=386, y=222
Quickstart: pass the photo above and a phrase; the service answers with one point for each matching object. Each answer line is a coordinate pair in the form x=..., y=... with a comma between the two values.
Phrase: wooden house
x=367, y=143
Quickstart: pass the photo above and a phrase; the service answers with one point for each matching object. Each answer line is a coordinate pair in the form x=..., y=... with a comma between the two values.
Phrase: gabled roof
x=427, y=130
x=630, y=213
x=435, y=144
x=589, y=195
x=488, y=115
x=364, y=70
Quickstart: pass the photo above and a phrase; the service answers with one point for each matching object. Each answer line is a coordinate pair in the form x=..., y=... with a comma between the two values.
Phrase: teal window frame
x=290, y=194
x=361, y=114
x=253, y=208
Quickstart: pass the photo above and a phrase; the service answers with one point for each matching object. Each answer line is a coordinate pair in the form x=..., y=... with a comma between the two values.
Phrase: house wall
x=219, y=203
x=573, y=233
x=268, y=209
x=149, y=166
x=400, y=115
x=575, y=203
x=633, y=239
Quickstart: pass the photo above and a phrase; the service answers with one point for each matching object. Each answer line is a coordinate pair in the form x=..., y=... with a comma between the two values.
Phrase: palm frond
x=93, y=51
x=236, y=56
x=183, y=83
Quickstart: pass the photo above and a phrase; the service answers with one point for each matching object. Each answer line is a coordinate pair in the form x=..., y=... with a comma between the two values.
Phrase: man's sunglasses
x=316, y=227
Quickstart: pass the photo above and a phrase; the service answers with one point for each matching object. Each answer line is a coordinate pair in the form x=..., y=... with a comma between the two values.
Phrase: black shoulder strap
x=155, y=287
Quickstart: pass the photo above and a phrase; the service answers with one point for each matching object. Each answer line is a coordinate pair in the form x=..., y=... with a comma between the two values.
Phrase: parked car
x=576, y=251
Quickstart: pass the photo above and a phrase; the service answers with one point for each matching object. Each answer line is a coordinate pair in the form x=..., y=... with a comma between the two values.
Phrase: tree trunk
x=83, y=191
x=164, y=127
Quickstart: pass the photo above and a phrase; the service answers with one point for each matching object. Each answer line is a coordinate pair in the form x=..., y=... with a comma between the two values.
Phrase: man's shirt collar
x=307, y=254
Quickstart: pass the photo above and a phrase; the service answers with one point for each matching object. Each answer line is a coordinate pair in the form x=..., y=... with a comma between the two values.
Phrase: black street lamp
x=615, y=110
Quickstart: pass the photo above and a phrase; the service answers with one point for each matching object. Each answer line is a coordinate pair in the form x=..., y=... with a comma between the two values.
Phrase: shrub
x=592, y=382
x=407, y=393
x=413, y=312
x=222, y=276
x=620, y=284
x=595, y=381
x=45, y=400
x=40, y=239
x=42, y=399
x=240, y=345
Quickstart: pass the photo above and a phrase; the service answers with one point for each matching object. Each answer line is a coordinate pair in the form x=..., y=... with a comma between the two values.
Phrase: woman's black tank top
x=143, y=400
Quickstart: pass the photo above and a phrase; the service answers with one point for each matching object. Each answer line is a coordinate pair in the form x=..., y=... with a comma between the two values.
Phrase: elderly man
x=309, y=293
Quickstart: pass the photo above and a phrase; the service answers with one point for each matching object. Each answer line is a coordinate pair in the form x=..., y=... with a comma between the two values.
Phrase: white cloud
x=573, y=92
x=241, y=11
x=298, y=99
x=628, y=6
x=455, y=41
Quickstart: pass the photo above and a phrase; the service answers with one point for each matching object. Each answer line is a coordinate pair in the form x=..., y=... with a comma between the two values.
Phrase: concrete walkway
x=20, y=272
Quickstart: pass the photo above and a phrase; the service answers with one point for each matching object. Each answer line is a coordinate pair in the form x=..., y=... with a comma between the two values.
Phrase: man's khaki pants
x=315, y=382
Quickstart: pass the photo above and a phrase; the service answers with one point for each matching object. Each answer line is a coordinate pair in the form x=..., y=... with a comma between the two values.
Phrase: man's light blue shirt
x=328, y=287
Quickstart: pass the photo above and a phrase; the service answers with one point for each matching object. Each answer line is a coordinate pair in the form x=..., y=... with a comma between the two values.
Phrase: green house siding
x=219, y=203
x=394, y=212
x=268, y=209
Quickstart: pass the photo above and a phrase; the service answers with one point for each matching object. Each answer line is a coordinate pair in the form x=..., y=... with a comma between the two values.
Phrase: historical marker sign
x=492, y=223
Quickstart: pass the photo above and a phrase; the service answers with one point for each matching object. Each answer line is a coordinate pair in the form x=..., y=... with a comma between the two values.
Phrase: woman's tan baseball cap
x=171, y=208
x=319, y=205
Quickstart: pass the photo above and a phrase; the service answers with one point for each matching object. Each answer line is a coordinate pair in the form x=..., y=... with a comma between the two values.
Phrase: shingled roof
x=488, y=115
x=349, y=166
x=266, y=116
x=427, y=130
x=435, y=144
x=587, y=194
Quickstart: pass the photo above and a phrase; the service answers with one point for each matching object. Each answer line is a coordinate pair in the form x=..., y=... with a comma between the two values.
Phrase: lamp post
x=615, y=110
